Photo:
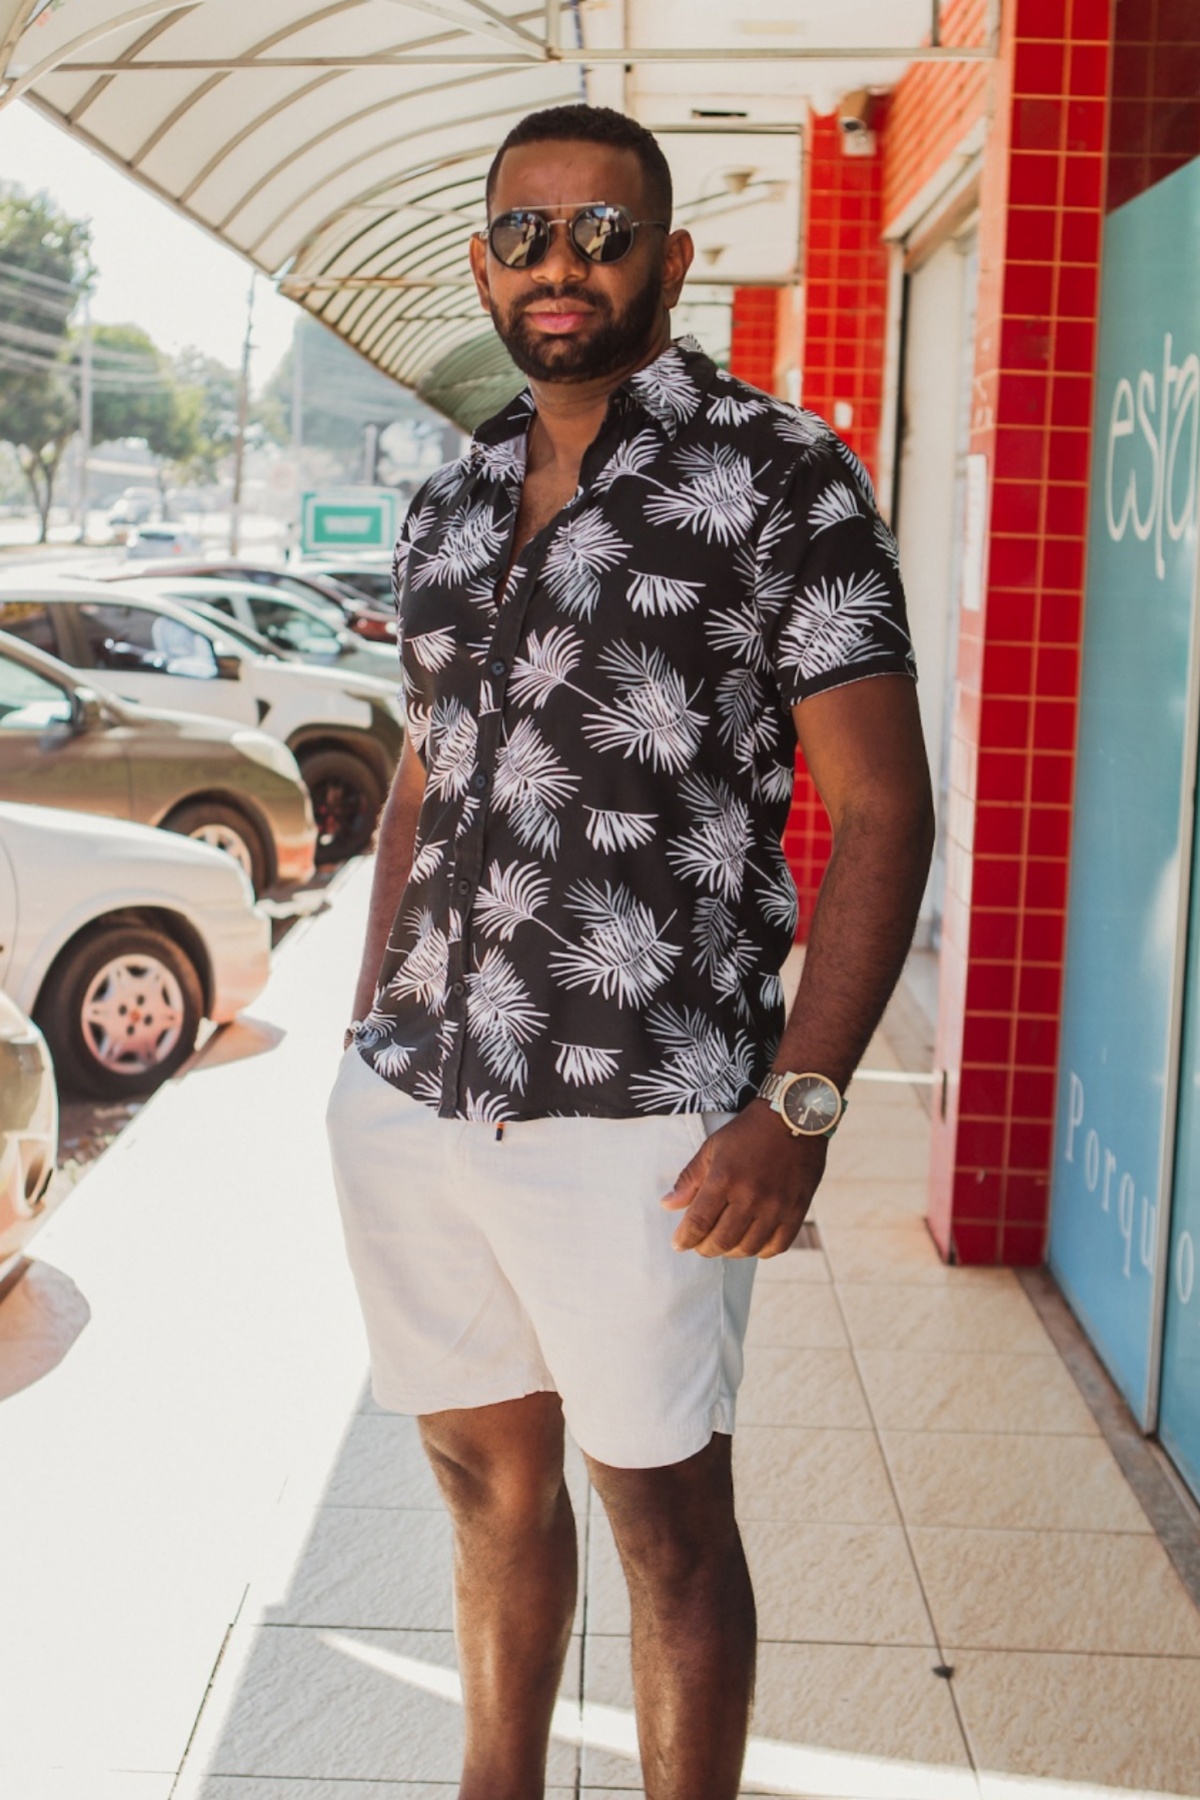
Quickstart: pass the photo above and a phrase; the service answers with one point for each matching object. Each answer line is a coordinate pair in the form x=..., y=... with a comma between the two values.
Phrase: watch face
x=812, y=1104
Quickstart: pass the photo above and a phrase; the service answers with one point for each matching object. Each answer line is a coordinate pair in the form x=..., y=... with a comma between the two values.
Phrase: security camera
x=856, y=118
x=854, y=112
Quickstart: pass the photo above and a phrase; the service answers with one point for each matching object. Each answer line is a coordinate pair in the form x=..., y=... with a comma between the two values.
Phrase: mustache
x=597, y=303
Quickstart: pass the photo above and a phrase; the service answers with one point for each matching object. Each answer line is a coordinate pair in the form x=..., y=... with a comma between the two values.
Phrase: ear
x=678, y=251
x=477, y=250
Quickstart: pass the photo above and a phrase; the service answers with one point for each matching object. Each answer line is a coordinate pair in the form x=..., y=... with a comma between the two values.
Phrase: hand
x=748, y=1188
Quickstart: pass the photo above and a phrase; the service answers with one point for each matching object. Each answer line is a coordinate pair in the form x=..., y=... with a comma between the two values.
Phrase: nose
x=563, y=261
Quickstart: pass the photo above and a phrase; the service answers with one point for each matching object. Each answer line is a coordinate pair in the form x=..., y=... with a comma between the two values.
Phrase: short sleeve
x=828, y=581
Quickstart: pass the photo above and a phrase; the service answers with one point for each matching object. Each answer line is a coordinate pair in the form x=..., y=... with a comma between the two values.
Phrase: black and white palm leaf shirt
x=599, y=904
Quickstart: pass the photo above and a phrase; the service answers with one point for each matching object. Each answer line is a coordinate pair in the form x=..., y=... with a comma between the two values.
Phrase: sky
x=156, y=269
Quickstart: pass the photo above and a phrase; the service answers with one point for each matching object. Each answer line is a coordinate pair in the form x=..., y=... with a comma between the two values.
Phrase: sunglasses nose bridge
x=561, y=250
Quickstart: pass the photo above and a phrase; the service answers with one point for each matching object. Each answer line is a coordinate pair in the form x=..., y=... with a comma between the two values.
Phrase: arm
x=747, y=1191
x=393, y=862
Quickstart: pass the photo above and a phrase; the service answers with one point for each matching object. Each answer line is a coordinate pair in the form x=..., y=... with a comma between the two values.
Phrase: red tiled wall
x=1012, y=770
x=754, y=356
x=933, y=108
x=753, y=345
x=845, y=285
x=842, y=358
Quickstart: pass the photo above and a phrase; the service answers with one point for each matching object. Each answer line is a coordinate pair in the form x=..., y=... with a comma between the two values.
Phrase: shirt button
x=464, y=886
x=479, y=781
x=499, y=666
x=459, y=987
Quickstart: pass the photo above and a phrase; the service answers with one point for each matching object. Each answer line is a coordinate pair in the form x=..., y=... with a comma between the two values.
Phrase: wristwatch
x=351, y=1032
x=810, y=1105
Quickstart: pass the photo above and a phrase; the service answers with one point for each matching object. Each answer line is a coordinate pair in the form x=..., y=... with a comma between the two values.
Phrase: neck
x=570, y=413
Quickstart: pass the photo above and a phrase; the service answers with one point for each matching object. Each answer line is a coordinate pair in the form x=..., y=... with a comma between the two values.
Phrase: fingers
x=689, y=1180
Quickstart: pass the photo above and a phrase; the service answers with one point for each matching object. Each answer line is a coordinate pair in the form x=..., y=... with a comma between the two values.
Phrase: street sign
x=348, y=519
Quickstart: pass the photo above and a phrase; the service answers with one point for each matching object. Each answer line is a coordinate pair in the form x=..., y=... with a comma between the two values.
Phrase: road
x=176, y=1371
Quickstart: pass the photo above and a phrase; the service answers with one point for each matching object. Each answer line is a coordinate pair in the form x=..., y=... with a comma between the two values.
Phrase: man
x=618, y=614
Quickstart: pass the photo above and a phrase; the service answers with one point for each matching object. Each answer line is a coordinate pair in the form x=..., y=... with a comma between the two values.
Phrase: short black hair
x=580, y=123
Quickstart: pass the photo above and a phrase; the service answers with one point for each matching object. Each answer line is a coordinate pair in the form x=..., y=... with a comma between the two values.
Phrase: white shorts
x=539, y=1262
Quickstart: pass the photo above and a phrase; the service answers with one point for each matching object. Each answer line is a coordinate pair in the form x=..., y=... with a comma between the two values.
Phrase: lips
x=562, y=317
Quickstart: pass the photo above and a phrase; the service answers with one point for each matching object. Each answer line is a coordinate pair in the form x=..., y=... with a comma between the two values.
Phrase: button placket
x=468, y=861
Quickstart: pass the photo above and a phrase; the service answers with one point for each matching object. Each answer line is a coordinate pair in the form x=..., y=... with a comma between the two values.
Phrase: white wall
x=938, y=358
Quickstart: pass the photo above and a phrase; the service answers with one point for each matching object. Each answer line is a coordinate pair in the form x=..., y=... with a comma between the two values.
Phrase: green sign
x=349, y=519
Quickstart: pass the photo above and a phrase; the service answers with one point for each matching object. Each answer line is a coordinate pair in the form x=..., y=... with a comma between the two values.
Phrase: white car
x=119, y=939
x=28, y=1132
x=296, y=628
x=345, y=731
x=161, y=540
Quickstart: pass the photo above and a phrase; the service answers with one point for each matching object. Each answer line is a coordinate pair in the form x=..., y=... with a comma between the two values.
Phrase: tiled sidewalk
x=959, y=1593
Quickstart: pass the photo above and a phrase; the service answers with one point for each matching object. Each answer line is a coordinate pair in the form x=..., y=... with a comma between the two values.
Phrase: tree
x=207, y=394
x=137, y=395
x=45, y=269
x=342, y=395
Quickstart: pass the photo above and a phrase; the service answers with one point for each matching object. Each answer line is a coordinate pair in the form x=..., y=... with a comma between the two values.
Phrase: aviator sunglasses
x=604, y=234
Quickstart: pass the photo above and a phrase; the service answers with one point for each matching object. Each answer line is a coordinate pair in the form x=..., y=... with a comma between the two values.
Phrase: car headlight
x=269, y=752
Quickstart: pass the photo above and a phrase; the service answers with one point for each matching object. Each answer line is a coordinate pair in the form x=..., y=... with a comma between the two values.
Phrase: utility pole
x=239, y=449
x=294, y=525
x=370, y=454
x=85, y=414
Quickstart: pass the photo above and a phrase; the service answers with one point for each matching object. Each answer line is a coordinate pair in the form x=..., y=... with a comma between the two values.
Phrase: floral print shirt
x=599, y=905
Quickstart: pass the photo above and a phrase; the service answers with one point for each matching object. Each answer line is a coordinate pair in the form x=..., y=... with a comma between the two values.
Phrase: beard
x=617, y=339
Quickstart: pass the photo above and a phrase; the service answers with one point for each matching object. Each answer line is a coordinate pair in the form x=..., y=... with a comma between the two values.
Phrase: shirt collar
x=667, y=392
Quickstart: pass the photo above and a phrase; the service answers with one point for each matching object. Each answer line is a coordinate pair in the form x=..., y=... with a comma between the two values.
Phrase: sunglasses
x=604, y=234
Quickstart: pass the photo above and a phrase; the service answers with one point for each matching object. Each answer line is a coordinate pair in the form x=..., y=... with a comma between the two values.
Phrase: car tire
x=224, y=828
x=346, y=798
x=120, y=1012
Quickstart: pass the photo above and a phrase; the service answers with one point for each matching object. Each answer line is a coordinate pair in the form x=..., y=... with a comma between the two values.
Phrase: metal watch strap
x=775, y=1082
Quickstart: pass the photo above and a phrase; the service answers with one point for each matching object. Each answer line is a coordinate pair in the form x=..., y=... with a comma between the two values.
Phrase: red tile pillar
x=1009, y=812
x=842, y=364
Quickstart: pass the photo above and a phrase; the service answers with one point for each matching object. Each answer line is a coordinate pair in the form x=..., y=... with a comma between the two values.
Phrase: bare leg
x=693, y=1620
x=500, y=1469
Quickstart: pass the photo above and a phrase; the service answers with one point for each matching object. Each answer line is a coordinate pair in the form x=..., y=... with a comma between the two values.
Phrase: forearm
x=861, y=932
x=395, y=844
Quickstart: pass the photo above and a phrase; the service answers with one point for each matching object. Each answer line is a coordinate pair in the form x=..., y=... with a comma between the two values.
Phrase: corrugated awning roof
x=342, y=147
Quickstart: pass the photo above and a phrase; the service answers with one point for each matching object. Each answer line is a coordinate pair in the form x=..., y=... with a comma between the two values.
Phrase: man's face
x=568, y=319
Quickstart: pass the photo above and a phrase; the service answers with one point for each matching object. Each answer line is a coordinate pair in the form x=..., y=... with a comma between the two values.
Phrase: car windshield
x=241, y=634
x=304, y=590
x=294, y=625
x=28, y=702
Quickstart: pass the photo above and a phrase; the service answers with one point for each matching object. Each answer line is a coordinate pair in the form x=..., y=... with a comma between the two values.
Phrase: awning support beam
x=925, y=53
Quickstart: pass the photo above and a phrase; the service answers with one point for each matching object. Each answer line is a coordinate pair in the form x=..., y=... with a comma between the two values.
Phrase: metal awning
x=342, y=147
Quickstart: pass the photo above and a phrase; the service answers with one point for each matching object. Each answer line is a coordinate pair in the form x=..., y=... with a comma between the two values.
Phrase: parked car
x=148, y=541
x=294, y=626
x=368, y=575
x=64, y=743
x=28, y=1131
x=137, y=506
x=345, y=731
x=347, y=606
x=118, y=940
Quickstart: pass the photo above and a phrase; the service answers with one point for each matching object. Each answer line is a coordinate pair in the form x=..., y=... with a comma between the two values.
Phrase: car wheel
x=120, y=1011
x=224, y=828
x=346, y=798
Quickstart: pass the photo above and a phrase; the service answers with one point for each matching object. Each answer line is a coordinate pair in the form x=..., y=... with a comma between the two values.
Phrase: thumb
x=689, y=1181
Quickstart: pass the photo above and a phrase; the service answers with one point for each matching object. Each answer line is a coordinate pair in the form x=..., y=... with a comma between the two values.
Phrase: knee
x=496, y=1493
x=675, y=1529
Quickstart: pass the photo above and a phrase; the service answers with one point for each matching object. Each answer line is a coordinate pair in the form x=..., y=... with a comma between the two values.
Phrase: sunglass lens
x=604, y=234
x=519, y=239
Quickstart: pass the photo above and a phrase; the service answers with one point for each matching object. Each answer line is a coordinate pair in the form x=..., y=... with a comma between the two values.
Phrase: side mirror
x=87, y=711
x=229, y=666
